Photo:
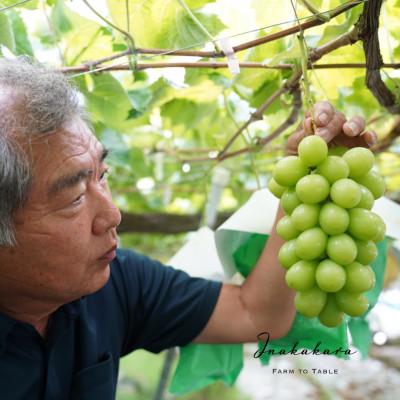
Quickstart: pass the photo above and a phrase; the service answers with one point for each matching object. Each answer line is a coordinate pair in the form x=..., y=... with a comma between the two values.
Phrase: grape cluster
x=329, y=228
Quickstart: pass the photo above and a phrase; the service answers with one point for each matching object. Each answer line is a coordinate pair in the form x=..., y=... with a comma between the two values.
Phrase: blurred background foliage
x=165, y=126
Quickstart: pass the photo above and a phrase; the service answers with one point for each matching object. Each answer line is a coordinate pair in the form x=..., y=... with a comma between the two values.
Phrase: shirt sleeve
x=166, y=307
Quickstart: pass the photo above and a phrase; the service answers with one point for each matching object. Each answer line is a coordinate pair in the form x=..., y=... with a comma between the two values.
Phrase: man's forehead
x=74, y=138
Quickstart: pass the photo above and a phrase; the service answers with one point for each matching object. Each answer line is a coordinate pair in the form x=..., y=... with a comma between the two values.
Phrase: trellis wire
x=14, y=5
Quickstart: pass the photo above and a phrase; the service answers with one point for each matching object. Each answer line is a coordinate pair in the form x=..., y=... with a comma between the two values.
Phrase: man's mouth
x=109, y=255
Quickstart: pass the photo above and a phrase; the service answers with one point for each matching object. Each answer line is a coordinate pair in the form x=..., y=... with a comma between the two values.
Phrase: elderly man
x=71, y=303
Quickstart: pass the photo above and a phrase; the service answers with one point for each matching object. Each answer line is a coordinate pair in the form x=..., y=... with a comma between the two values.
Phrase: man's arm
x=264, y=303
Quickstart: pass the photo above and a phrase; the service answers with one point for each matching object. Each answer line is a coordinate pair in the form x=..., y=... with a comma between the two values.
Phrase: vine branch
x=368, y=32
x=220, y=65
x=313, y=21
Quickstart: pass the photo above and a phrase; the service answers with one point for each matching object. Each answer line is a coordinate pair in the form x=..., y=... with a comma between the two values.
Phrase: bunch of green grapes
x=329, y=228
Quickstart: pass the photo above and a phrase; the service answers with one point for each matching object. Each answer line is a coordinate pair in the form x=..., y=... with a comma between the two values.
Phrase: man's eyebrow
x=104, y=153
x=68, y=181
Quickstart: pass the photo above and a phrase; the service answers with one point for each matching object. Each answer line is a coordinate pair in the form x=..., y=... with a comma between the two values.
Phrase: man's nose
x=108, y=217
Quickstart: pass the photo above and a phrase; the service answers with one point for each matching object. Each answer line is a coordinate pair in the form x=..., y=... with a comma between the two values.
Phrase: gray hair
x=43, y=100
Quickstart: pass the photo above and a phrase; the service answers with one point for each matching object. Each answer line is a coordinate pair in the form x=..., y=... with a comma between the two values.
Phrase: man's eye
x=78, y=200
x=103, y=176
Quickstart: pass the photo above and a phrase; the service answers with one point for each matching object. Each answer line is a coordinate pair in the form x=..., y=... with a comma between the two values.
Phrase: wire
x=14, y=5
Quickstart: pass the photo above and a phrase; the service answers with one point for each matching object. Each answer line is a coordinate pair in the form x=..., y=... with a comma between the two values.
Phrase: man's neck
x=37, y=315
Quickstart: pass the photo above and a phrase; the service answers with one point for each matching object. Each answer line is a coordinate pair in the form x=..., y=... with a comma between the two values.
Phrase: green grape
x=341, y=249
x=366, y=251
x=333, y=169
x=290, y=200
x=289, y=170
x=330, y=276
x=360, y=160
x=276, y=189
x=311, y=302
x=312, y=189
x=359, y=278
x=301, y=276
x=373, y=182
x=364, y=224
x=381, y=230
x=287, y=254
x=305, y=216
x=331, y=315
x=367, y=200
x=353, y=304
x=312, y=150
x=333, y=219
x=286, y=229
x=345, y=193
x=311, y=244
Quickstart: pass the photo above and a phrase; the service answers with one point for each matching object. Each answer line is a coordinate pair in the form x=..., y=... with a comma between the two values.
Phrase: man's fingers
x=323, y=113
x=367, y=139
x=370, y=138
x=334, y=128
x=354, y=126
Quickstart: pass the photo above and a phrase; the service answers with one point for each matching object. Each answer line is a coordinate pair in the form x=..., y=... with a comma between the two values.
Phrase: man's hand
x=332, y=126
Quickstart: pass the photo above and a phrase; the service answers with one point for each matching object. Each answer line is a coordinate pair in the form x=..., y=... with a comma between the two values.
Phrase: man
x=71, y=304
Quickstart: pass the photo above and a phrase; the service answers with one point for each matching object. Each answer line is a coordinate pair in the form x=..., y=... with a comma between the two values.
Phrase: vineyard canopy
x=154, y=76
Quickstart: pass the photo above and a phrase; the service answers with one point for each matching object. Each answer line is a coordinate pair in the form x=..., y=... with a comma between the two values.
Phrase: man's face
x=66, y=232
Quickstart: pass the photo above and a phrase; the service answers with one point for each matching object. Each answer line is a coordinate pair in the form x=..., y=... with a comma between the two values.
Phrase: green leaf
x=193, y=4
x=204, y=92
x=22, y=43
x=108, y=102
x=175, y=28
x=358, y=99
x=291, y=54
x=6, y=33
x=333, y=31
x=262, y=94
x=82, y=38
x=187, y=113
x=316, y=3
x=31, y=5
x=140, y=98
x=59, y=17
x=271, y=12
x=255, y=78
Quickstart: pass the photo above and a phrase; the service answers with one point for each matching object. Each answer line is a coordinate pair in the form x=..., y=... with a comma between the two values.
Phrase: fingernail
x=353, y=128
x=370, y=140
x=323, y=118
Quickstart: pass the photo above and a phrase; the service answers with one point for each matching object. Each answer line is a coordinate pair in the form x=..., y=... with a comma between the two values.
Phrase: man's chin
x=99, y=279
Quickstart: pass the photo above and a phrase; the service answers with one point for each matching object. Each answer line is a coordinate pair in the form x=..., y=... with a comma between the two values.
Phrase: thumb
x=303, y=130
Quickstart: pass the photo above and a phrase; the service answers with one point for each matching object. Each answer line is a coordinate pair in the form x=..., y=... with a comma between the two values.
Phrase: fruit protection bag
x=240, y=241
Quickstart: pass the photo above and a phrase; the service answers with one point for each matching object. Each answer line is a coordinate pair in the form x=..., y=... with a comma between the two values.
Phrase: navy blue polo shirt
x=144, y=305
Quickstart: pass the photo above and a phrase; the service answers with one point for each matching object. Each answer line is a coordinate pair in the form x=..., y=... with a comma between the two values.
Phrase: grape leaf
x=22, y=42
x=175, y=28
x=108, y=102
x=31, y=5
x=6, y=33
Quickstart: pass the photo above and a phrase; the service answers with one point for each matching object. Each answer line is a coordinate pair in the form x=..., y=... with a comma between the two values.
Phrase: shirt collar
x=6, y=324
